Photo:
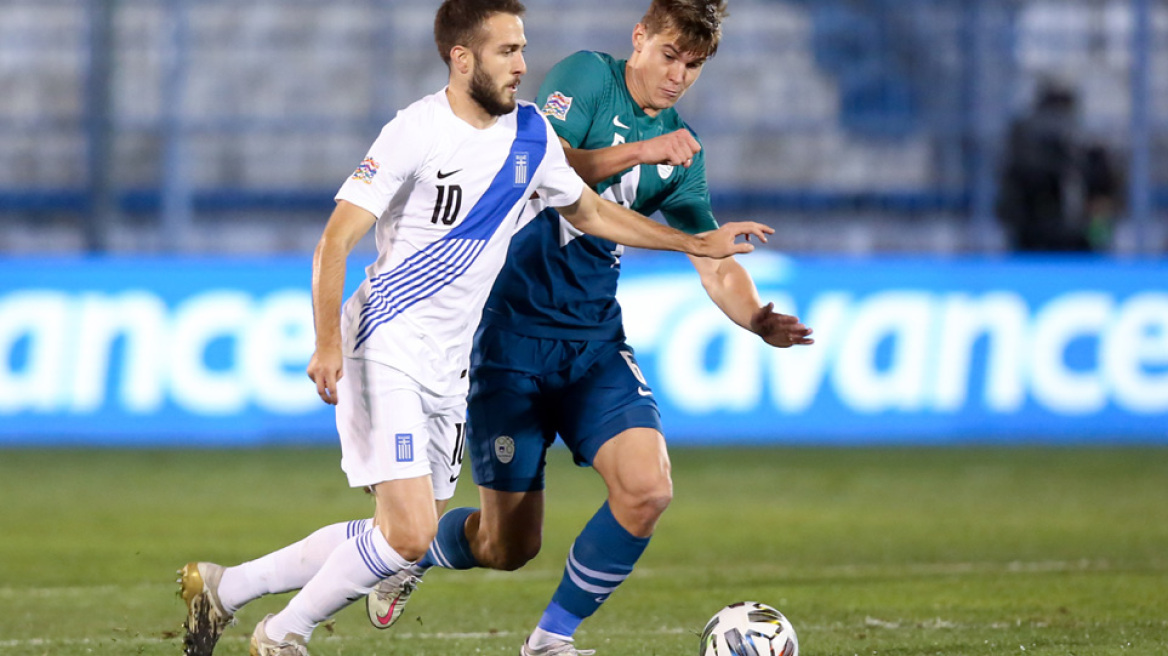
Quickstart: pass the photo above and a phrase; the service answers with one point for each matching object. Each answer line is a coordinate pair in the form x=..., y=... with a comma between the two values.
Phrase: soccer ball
x=749, y=628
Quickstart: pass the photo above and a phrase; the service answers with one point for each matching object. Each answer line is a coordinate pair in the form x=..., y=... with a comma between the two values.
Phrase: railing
x=156, y=116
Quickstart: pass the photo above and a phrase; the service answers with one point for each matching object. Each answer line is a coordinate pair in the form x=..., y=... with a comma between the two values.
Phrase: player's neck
x=465, y=108
x=638, y=94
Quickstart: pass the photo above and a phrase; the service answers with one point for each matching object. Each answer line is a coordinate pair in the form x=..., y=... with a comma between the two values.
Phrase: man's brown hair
x=460, y=22
x=697, y=23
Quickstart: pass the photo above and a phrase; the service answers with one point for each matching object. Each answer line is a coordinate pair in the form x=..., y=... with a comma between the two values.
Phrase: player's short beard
x=484, y=92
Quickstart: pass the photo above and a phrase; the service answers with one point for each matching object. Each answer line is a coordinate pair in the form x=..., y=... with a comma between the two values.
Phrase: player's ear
x=640, y=34
x=461, y=59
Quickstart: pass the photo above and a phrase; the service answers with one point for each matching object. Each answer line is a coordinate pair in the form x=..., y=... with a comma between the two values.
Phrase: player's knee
x=644, y=504
x=411, y=545
x=659, y=501
x=652, y=502
x=413, y=550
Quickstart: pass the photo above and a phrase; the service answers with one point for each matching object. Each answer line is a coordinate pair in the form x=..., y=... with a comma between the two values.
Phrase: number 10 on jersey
x=448, y=204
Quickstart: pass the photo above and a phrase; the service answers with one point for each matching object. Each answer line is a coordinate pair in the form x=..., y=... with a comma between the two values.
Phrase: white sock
x=540, y=638
x=285, y=570
x=349, y=573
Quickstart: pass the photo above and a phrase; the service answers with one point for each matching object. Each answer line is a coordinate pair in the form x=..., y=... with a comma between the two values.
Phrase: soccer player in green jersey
x=550, y=356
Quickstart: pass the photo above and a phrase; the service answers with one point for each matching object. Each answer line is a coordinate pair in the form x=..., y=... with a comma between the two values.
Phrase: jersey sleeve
x=688, y=207
x=558, y=182
x=392, y=159
x=570, y=94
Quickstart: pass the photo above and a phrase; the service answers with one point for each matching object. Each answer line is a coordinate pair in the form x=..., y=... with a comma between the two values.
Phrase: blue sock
x=601, y=558
x=450, y=548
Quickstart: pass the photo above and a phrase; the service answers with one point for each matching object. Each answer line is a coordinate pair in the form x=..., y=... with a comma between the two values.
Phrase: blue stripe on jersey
x=443, y=257
x=429, y=270
x=530, y=138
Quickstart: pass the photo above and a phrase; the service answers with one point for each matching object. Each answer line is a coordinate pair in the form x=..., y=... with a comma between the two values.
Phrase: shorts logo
x=405, y=447
x=504, y=449
x=366, y=170
x=557, y=106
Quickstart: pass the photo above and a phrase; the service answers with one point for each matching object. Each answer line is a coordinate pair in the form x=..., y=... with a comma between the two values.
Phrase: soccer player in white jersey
x=444, y=184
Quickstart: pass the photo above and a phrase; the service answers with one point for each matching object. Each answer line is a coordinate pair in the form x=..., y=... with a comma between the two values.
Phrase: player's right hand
x=676, y=148
x=723, y=242
x=325, y=369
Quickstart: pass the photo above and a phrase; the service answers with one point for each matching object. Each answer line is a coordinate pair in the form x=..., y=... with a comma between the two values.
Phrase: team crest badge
x=367, y=170
x=520, y=169
x=405, y=447
x=504, y=449
x=664, y=170
x=557, y=106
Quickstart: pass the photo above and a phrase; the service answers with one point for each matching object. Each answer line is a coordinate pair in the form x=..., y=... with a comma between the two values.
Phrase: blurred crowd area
x=212, y=126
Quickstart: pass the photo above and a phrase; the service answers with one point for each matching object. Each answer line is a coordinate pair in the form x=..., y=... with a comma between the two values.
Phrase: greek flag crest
x=520, y=169
x=405, y=447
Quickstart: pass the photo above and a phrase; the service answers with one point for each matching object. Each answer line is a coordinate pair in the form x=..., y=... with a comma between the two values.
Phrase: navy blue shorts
x=526, y=390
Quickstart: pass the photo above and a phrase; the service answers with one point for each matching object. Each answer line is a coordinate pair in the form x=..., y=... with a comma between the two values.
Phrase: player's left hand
x=779, y=330
x=723, y=242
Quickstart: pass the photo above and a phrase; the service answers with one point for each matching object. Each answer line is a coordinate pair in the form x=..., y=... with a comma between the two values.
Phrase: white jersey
x=448, y=198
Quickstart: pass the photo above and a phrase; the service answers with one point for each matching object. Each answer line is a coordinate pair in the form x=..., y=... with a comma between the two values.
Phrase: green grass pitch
x=959, y=551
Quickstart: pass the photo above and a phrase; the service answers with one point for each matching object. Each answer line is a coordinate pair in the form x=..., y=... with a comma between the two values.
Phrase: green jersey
x=587, y=101
x=558, y=282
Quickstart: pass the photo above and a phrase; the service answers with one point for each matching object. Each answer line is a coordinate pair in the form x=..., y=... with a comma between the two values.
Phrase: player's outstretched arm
x=345, y=228
x=731, y=288
x=603, y=218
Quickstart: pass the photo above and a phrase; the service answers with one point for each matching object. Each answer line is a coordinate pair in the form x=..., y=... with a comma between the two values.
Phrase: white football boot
x=262, y=645
x=558, y=648
x=388, y=598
